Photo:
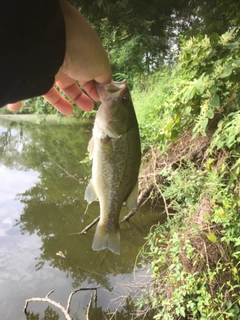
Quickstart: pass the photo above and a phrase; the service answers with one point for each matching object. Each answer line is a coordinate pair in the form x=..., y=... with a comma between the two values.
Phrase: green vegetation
x=189, y=117
x=203, y=82
x=139, y=36
x=190, y=114
x=182, y=62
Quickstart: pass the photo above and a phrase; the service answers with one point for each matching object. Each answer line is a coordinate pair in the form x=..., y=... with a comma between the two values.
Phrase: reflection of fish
x=115, y=150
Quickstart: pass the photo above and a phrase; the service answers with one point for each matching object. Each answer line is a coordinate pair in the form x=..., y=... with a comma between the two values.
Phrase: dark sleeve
x=32, y=47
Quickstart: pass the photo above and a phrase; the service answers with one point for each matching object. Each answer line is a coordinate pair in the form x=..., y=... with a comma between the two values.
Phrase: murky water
x=42, y=184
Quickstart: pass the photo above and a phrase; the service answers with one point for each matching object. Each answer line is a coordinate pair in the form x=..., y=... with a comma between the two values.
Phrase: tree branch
x=65, y=311
x=87, y=227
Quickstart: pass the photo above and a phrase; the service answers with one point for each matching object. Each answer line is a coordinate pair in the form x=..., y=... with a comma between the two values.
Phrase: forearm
x=32, y=37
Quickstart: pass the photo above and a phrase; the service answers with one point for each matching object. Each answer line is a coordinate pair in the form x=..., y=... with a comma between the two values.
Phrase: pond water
x=42, y=185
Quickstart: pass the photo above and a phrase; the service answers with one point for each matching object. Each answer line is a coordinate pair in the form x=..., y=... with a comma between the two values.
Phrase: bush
x=195, y=255
x=202, y=86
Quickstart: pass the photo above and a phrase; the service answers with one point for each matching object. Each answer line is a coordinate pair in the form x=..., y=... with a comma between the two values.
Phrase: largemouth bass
x=116, y=153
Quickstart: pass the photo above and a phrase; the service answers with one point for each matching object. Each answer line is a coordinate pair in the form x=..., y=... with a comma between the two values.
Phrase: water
x=42, y=185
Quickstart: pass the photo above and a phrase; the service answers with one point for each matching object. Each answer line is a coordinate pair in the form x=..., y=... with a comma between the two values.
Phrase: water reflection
x=52, y=207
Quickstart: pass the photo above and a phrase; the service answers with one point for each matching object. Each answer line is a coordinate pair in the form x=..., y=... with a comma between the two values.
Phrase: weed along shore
x=194, y=254
x=191, y=164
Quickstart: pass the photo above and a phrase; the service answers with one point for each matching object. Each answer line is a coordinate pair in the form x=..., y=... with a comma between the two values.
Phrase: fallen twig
x=79, y=289
x=129, y=215
x=67, y=173
x=87, y=227
x=93, y=297
x=47, y=299
x=65, y=311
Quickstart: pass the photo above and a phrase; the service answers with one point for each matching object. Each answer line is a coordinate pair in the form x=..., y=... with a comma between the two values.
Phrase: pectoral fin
x=91, y=148
x=90, y=193
x=133, y=197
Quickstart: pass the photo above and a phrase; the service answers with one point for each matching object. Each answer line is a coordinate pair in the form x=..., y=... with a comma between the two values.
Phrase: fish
x=115, y=151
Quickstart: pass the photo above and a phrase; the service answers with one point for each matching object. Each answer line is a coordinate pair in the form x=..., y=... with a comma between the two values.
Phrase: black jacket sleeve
x=32, y=48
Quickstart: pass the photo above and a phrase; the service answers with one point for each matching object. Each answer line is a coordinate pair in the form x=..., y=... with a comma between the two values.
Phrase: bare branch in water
x=87, y=228
x=65, y=311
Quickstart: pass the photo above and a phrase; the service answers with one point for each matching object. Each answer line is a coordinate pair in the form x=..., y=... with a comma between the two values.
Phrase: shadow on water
x=53, y=208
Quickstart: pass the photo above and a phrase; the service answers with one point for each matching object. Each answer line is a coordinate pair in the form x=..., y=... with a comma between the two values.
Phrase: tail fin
x=104, y=239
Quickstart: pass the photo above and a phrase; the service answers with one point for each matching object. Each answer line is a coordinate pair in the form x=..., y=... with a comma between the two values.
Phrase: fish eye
x=125, y=100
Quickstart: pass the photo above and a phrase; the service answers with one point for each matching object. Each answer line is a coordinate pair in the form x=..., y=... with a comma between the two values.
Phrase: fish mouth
x=110, y=91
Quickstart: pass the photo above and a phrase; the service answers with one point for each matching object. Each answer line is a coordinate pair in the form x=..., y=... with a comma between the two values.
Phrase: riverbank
x=195, y=254
x=190, y=132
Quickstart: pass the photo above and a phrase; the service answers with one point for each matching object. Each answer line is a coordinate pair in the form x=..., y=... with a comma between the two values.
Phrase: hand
x=85, y=62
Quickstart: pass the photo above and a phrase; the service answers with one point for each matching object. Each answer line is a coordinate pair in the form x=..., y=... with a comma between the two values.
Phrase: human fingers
x=14, y=106
x=58, y=102
x=74, y=92
x=91, y=90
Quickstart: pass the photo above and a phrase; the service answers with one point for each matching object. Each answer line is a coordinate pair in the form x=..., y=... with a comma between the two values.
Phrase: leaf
x=220, y=144
x=210, y=114
x=236, y=309
x=187, y=56
x=233, y=45
x=189, y=93
x=215, y=37
x=61, y=254
x=201, y=51
x=174, y=135
x=234, y=270
x=226, y=72
x=236, y=62
x=230, y=141
x=182, y=312
x=204, y=123
x=211, y=237
x=229, y=304
x=213, y=89
x=215, y=101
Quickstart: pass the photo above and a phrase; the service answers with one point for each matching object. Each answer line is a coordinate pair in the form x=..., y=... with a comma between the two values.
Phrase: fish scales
x=113, y=170
x=116, y=153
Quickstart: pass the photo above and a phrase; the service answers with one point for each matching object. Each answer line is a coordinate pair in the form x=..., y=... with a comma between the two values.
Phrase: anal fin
x=131, y=201
x=90, y=193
